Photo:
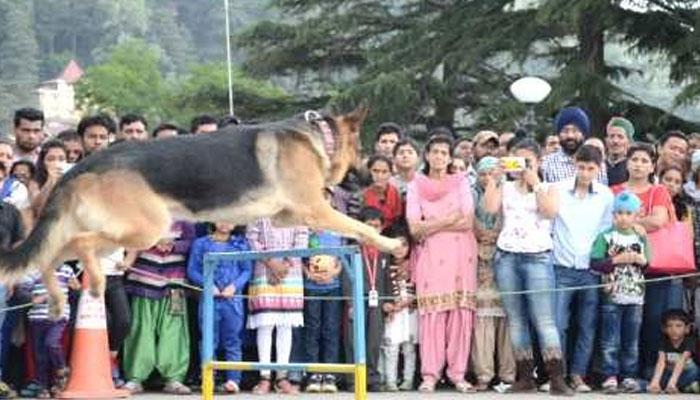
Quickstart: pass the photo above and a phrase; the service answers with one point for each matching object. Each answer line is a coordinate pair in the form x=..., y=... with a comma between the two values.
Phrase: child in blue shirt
x=322, y=317
x=230, y=278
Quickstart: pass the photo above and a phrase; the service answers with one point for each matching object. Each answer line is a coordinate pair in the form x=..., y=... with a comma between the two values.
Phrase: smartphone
x=513, y=164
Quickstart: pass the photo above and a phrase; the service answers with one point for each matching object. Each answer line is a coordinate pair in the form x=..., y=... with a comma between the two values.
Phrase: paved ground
x=415, y=396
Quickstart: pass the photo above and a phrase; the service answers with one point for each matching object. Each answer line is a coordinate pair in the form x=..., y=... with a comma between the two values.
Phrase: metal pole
x=358, y=308
x=210, y=265
x=228, y=59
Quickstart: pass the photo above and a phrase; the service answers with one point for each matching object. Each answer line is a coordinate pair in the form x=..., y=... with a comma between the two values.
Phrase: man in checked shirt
x=573, y=127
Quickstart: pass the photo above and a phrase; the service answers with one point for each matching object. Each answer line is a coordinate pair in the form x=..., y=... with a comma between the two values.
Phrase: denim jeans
x=528, y=271
x=322, y=326
x=619, y=339
x=659, y=297
x=689, y=375
x=584, y=325
x=298, y=355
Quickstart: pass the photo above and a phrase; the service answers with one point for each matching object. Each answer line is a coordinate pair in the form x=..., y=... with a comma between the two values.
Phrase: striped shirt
x=155, y=272
x=281, y=304
x=64, y=273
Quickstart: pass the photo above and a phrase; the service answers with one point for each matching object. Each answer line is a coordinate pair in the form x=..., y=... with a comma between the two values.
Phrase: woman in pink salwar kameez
x=440, y=214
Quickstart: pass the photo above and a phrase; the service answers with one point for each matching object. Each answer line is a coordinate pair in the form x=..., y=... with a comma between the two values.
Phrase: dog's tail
x=43, y=243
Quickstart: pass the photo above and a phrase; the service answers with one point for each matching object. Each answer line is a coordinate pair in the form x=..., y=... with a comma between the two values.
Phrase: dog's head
x=347, y=147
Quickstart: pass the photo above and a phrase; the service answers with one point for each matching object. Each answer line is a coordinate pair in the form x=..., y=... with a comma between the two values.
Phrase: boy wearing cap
x=573, y=127
x=619, y=133
x=491, y=339
x=485, y=144
x=621, y=254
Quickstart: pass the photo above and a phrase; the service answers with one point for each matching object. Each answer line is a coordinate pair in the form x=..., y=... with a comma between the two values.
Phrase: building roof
x=71, y=73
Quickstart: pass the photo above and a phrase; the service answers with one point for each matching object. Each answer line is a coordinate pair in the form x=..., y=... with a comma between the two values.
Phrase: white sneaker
x=133, y=387
x=314, y=384
x=610, y=385
x=630, y=385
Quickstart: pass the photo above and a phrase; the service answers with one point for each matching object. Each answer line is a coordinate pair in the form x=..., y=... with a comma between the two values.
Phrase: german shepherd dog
x=127, y=195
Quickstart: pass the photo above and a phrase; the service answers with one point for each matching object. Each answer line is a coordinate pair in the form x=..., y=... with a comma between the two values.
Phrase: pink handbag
x=672, y=249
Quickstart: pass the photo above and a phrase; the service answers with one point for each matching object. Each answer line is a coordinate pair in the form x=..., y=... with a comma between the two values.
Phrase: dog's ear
x=356, y=117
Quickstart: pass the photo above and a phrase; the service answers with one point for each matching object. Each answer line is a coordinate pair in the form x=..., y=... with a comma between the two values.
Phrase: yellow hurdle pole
x=254, y=366
x=360, y=382
x=208, y=382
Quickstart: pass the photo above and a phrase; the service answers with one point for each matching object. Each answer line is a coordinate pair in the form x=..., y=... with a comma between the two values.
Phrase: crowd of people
x=525, y=266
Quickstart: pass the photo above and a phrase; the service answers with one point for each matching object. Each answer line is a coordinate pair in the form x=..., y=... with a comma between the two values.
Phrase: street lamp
x=530, y=90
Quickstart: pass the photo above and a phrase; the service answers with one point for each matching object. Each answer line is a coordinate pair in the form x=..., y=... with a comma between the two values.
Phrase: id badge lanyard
x=371, y=267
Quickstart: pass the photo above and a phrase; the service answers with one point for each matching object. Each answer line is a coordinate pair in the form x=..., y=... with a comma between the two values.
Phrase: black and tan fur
x=128, y=195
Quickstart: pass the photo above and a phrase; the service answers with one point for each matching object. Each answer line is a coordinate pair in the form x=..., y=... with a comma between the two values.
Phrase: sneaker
x=328, y=385
x=692, y=388
x=630, y=385
x=579, y=385
x=314, y=384
x=6, y=391
x=502, y=387
x=391, y=387
x=610, y=385
x=544, y=387
x=133, y=387
x=406, y=386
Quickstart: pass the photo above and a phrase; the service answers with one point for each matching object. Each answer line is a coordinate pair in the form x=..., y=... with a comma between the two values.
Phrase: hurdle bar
x=359, y=368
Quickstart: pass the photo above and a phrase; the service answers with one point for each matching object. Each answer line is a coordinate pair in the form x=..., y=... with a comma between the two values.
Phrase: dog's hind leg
x=325, y=217
x=86, y=246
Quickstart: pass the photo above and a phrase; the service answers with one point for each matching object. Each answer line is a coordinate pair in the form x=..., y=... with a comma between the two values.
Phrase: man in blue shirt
x=585, y=209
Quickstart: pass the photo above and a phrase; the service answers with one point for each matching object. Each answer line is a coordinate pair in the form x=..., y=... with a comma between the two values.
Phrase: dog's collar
x=315, y=118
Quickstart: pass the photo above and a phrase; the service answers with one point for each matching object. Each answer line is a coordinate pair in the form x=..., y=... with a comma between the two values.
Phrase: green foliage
x=18, y=58
x=173, y=38
x=128, y=81
x=205, y=90
x=452, y=54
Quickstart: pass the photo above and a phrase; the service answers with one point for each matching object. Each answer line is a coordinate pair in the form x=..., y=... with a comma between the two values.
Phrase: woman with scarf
x=440, y=214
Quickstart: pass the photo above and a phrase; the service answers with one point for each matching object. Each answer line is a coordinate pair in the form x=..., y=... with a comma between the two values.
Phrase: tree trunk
x=593, y=93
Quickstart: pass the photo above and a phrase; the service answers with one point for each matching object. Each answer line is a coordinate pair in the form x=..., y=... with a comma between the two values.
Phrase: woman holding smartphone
x=523, y=261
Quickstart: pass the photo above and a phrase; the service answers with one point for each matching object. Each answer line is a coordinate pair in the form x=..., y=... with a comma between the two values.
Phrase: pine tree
x=18, y=59
x=172, y=36
x=418, y=61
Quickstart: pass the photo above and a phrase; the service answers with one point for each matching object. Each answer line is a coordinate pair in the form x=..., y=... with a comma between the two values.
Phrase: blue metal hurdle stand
x=359, y=368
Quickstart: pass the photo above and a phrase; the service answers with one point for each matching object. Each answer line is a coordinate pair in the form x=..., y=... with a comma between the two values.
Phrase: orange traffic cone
x=91, y=369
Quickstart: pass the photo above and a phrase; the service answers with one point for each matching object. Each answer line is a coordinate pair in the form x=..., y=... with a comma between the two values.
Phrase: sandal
x=62, y=378
x=465, y=387
x=427, y=386
x=228, y=387
x=283, y=386
x=263, y=387
x=175, y=387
